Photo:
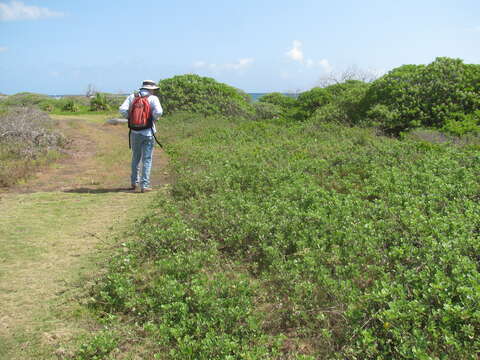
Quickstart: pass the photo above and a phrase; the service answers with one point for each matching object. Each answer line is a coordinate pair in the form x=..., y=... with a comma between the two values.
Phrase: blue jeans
x=142, y=149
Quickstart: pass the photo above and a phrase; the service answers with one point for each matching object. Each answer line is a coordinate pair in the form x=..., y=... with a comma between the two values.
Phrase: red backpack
x=139, y=116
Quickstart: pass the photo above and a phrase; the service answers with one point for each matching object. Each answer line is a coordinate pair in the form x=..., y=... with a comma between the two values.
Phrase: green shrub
x=71, y=106
x=203, y=95
x=427, y=96
x=284, y=101
x=461, y=124
x=309, y=101
x=99, y=102
x=47, y=105
x=245, y=96
x=345, y=105
x=267, y=111
x=97, y=347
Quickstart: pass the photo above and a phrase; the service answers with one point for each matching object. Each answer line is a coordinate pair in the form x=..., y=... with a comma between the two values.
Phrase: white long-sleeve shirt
x=155, y=107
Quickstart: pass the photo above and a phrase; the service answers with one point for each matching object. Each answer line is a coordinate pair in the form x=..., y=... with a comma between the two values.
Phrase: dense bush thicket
x=444, y=94
x=342, y=103
x=203, y=95
x=283, y=101
x=303, y=241
x=26, y=136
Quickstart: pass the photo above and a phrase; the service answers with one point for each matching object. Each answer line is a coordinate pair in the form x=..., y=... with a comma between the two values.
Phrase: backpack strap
x=156, y=139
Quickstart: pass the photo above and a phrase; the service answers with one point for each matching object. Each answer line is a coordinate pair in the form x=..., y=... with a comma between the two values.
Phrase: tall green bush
x=345, y=104
x=309, y=101
x=284, y=101
x=430, y=96
x=196, y=94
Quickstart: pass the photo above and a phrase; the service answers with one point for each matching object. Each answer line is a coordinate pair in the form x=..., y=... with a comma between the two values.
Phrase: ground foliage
x=303, y=241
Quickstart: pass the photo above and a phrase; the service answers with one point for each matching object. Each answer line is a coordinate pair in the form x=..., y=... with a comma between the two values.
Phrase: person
x=142, y=141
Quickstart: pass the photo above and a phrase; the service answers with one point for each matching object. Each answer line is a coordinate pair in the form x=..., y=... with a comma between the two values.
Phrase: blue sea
x=256, y=96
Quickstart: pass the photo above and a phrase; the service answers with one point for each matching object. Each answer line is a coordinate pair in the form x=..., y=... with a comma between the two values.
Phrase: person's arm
x=157, y=110
x=125, y=106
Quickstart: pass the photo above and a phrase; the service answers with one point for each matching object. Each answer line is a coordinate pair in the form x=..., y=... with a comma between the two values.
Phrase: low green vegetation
x=100, y=103
x=301, y=241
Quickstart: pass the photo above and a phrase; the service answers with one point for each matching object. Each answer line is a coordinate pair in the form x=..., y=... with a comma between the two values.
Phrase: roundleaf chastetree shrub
x=203, y=95
x=267, y=111
x=393, y=101
x=347, y=101
x=279, y=99
x=425, y=95
x=309, y=101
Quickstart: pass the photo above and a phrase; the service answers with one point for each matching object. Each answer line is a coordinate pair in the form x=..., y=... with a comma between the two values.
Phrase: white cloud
x=199, y=64
x=17, y=10
x=238, y=65
x=325, y=65
x=3, y=49
x=296, y=53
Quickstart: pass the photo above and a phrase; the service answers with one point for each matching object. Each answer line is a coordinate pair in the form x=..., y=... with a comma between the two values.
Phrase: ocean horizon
x=254, y=95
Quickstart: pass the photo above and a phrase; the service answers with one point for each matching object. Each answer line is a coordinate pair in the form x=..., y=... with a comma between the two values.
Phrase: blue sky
x=60, y=47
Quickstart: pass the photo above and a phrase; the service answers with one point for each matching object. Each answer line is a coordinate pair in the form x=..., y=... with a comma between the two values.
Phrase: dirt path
x=51, y=228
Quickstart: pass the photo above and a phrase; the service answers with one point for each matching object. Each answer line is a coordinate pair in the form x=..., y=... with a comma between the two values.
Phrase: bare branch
x=351, y=73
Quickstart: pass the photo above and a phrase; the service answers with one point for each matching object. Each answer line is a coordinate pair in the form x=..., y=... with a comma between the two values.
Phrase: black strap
x=130, y=136
x=156, y=139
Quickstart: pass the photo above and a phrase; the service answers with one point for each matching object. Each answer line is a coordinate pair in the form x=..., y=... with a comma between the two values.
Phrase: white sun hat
x=149, y=85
